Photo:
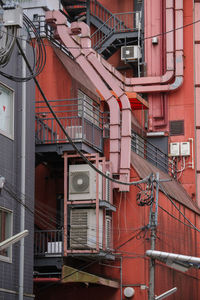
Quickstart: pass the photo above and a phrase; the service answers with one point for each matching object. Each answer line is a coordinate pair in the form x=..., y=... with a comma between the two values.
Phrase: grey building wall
x=10, y=168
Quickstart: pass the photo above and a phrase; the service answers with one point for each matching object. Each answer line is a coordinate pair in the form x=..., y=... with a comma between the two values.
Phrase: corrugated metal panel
x=172, y=188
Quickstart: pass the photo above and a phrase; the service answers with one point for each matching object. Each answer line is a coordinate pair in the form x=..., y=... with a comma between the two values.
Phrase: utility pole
x=153, y=226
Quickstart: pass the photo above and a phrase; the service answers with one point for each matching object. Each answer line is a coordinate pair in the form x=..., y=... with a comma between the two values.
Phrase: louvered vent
x=108, y=187
x=176, y=127
x=108, y=232
x=79, y=229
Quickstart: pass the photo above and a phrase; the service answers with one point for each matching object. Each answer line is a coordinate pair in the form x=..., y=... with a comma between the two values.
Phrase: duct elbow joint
x=177, y=83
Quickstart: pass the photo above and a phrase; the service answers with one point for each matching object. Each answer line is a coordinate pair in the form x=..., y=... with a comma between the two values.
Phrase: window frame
x=2, y=132
x=9, y=257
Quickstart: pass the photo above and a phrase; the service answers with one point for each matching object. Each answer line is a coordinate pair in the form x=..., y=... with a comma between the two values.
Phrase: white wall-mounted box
x=185, y=148
x=174, y=149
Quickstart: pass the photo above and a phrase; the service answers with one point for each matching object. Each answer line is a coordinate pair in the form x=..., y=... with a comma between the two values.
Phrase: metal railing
x=48, y=242
x=46, y=31
x=100, y=12
x=117, y=23
x=153, y=154
x=82, y=120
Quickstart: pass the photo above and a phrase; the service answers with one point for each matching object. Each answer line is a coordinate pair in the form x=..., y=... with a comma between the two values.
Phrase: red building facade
x=130, y=114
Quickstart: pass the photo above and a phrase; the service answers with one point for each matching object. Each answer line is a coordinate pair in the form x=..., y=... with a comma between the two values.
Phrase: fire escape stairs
x=111, y=32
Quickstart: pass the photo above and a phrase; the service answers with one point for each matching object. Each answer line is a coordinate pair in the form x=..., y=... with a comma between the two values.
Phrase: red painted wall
x=172, y=236
x=181, y=102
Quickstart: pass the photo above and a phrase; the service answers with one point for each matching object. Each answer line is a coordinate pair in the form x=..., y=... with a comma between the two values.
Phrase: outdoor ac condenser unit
x=82, y=183
x=130, y=52
x=83, y=229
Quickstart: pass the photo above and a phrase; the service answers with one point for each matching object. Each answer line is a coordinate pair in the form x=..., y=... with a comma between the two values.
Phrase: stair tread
x=67, y=3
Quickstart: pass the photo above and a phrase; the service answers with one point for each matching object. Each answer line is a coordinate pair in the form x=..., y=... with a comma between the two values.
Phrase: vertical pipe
x=23, y=176
x=121, y=278
x=152, y=260
x=97, y=204
x=65, y=206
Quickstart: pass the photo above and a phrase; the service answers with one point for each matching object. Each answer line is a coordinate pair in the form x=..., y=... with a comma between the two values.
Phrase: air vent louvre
x=176, y=127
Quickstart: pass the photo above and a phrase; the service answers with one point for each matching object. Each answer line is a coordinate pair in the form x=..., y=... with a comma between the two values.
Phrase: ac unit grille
x=130, y=52
x=79, y=229
x=79, y=182
x=78, y=238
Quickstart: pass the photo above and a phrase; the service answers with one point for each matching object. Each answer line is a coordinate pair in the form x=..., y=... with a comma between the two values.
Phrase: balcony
x=82, y=119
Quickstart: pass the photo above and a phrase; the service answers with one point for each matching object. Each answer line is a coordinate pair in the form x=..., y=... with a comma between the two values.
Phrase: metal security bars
x=153, y=154
x=48, y=242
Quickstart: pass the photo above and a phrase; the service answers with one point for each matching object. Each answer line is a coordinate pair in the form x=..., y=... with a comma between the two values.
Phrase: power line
x=176, y=218
x=148, y=178
x=142, y=39
x=166, y=194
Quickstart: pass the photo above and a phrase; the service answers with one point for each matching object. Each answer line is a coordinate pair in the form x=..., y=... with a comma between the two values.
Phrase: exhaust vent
x=176, y=127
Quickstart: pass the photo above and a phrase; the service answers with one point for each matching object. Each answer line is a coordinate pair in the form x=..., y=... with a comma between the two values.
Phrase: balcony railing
x=48, y=242
x=83, y=121
x=153, y=154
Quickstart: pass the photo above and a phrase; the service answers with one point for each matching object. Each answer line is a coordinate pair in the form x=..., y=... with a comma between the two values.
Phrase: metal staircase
x=113, y=30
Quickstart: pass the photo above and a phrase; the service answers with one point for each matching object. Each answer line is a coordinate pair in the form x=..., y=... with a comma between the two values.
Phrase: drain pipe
x=58, y=21
x=170, y=70
x=23, y=176
x=91, y=57
x=159, y=83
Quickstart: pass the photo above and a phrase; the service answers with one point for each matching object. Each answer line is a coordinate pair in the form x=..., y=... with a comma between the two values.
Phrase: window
x=6, y=111
x=5, y=232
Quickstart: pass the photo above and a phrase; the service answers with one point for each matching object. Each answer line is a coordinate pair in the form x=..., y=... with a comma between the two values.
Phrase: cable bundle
x=37, y=45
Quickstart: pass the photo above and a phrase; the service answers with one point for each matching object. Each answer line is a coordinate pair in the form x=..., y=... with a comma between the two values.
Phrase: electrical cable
x=69, y=138
x=85, y=266
x=168, y=196
x=38, y=65
x=192, y=227
x=142, y=39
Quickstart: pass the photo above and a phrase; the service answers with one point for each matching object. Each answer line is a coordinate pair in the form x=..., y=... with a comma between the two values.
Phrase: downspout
x=57, y=20
x=158, y=83
x=126, y=108
x=23, y=177
x=170, y=71
x=178, y=81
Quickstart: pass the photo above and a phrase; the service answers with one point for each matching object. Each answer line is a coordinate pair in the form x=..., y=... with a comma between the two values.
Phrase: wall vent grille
x=176, y=127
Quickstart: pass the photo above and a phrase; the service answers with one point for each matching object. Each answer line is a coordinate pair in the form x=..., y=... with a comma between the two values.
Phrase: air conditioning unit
x=75, y=132
x=82, y=183
x=83, y=228
x=130, y=53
